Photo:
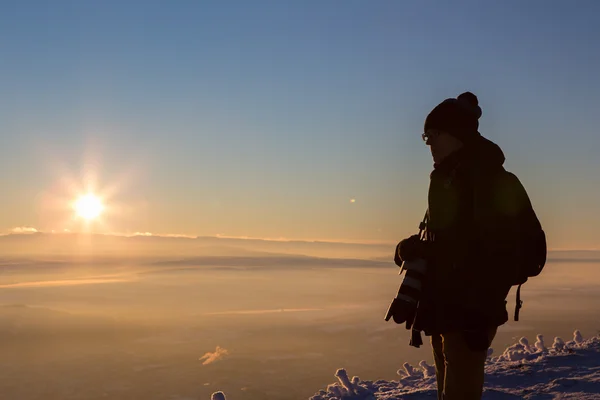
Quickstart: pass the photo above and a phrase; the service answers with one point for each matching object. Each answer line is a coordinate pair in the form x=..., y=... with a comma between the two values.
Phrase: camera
x=404, y=305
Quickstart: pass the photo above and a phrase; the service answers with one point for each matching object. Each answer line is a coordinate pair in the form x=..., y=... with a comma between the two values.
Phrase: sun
x=88, y=206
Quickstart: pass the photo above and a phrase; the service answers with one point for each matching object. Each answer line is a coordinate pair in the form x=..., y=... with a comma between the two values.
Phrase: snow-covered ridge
x=566, y=370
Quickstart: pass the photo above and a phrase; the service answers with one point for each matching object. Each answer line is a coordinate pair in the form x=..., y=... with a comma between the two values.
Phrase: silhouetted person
x=473, y=245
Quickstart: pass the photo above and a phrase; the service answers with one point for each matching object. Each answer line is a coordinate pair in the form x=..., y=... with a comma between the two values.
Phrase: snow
x=217, y=396
x=577, y=338
x=568, y=370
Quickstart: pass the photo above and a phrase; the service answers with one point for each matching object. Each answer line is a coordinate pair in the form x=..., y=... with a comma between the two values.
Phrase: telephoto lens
x=405, y=303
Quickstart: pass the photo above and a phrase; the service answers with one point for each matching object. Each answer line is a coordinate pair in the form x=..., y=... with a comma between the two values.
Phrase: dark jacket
x=474, y=206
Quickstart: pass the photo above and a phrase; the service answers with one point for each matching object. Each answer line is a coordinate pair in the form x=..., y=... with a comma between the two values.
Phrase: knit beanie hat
x=459, y=117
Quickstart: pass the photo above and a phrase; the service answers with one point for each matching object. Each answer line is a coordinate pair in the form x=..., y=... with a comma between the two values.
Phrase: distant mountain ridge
x=94, y=243
x=80, y=245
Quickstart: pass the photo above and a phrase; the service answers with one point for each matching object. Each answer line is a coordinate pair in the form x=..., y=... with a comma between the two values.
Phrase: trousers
x=459, y=370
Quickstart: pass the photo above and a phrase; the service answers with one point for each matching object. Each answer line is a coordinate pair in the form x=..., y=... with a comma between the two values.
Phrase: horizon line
x=24, y=231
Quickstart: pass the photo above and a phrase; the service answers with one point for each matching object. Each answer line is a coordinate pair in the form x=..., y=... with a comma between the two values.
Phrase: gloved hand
x=409, y=249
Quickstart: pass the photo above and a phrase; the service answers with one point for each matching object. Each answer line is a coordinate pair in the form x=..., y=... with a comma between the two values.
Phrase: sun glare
x=88, y=206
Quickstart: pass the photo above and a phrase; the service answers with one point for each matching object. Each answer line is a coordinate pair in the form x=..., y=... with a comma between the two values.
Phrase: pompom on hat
x=459, y=117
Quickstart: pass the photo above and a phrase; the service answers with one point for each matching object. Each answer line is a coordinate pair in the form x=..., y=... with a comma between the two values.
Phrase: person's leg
x=464, y=375
x=440, y=362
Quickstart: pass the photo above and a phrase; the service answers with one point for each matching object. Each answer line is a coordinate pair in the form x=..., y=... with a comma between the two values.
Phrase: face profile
x=441, y=144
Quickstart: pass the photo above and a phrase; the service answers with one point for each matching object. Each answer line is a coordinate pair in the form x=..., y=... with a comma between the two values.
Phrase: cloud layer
x=24, y=229
x=210, y=358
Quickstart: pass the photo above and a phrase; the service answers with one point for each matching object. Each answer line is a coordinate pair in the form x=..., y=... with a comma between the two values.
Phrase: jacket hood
x=480, y=153
x=486, y=153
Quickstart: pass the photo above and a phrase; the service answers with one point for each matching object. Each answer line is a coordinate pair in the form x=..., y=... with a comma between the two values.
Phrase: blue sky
x=265, y=118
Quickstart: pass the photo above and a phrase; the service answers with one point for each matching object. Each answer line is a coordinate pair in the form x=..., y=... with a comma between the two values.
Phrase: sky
x=294, y=120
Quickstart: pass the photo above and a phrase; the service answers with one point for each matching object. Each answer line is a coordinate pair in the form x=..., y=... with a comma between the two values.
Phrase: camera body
x=404, y=305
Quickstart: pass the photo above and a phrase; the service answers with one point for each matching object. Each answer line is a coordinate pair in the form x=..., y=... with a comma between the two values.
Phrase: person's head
x=451, y=125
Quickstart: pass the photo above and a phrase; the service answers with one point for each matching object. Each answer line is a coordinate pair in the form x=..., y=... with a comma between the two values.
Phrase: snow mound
x=568, y=370
x=217, y=396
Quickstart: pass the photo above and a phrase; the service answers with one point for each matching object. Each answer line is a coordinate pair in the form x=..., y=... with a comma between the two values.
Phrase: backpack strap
x=423, y=225
x=519, y=303
x=416, y=340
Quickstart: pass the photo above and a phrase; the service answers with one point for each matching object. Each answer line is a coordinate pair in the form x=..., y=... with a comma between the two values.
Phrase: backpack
x=530, y=239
